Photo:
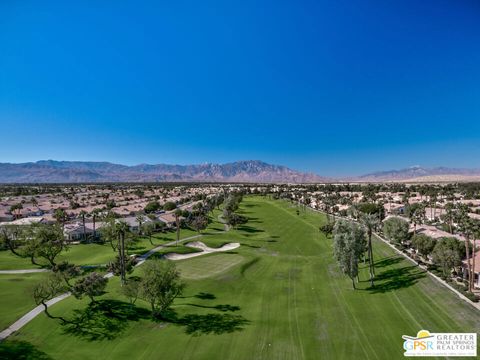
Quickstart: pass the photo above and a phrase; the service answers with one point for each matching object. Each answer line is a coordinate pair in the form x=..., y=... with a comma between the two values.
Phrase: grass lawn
x=16, y=296
x=279, y=296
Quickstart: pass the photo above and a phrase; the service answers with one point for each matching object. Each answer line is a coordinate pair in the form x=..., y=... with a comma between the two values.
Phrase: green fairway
x=16, y=296
x=279, y=296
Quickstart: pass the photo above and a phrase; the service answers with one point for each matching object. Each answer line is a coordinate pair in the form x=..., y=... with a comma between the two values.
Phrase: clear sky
x=334, y=87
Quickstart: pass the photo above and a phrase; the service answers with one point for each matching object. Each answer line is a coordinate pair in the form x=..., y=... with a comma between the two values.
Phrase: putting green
x=207, y=265
x=286, y=299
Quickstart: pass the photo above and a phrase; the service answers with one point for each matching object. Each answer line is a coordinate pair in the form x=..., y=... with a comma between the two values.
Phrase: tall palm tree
x=140, y=220
x=177, y=214
x=94, y=215
x=370, y=222
x=60, y=216
x=82, y=214
x=466, y=228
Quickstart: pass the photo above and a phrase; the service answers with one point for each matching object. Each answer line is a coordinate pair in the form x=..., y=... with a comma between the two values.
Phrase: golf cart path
x=204, y=250
x=26, y=271
x=25, y=319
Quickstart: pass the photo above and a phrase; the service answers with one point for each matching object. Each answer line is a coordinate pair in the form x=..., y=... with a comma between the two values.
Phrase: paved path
x=26, y=271
x=25, y=319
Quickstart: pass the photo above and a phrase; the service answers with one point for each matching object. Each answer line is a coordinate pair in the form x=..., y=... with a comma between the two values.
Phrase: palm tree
x=94, y=215
x=466, y=228
x=475, y=235
x=82, y=214
x=370, y=222
x=60, y=216
x=177, y=214
x=140, y=219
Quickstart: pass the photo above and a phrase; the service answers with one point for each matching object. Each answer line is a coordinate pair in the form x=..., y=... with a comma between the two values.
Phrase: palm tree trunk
x=472, y=271
x=84, y=230
x=94, y=229
x=122, y=258
x=467, y=250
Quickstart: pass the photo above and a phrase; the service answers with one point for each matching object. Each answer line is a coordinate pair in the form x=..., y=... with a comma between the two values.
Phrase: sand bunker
x=204, y=250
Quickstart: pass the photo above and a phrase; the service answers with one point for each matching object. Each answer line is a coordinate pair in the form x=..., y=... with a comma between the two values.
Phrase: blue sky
x=332, y=87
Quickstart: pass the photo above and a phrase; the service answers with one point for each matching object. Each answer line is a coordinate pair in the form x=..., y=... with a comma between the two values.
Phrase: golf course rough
x=280, y=295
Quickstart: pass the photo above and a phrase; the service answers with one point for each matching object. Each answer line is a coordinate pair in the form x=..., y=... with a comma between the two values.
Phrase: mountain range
x=250, y=171
x=423, y=174
x=51, y=171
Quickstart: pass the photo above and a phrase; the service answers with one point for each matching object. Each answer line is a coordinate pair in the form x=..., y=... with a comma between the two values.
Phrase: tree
x=396, y=229
x=235, y=219
x=94, y=214
x=169, y=206
x=117, y=266
x=82, y=214
x=371, y=209
x=131, y=290
x=449, y=216
x=466, y=227
x=60, y=216
x=91, y=285
x=148, y=229
x=446, y=254
x=9, y=237
x=370, y=222
x=424, y=244
x=67, y=271
x=116, y=232
x=140, y=220
x=160, y=285
x=46, y=290
x=199, y=222
x=327, y=228
x=416, y=213
x=152, y=207
x=15, y=210
x=349, y=245
x=178, y=214
x=49, y=241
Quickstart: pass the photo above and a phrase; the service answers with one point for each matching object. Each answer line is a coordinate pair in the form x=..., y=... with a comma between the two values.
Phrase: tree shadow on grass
x=249, y=229
x=104, y=320
x=223, y=308
x=391, y=260
x=212, y=323
x=395, y=279
x=205, y=296
x=21, y=350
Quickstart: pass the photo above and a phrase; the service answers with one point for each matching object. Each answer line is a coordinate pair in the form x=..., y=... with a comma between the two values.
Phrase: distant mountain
x=419, y=173
x=51, y=171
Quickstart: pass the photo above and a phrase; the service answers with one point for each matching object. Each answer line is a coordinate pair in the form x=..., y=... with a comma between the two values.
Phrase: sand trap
x=201, y=246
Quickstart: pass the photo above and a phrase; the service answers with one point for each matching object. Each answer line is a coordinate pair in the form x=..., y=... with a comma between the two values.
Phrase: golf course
x=279, y=295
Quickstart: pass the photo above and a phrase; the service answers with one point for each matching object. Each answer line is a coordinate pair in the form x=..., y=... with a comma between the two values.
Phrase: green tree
x=446, y=254
x=416, y=213
x=91, y=285
x=349, y=245
x=169, y=206
x=396, y=229
x=148, y=229
x=60, y=216
x=49, y=241
x=10, y=236
x=160, y=285
x=152, y=207
x=46, y=290
x=424, y=244
x=370, y=222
